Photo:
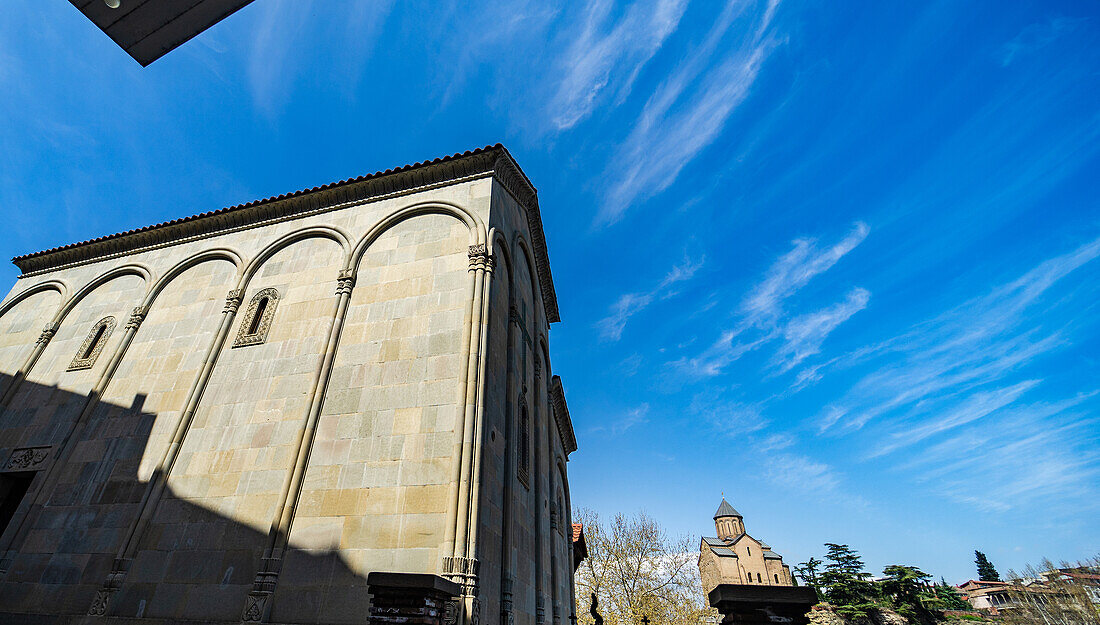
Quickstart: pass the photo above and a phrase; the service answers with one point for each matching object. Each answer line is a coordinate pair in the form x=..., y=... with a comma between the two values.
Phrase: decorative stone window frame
x=523, y=457
x=89, y=352
x=244, y=337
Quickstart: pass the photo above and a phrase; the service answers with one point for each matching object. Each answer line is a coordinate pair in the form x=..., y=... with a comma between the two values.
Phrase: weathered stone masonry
x=249, y=414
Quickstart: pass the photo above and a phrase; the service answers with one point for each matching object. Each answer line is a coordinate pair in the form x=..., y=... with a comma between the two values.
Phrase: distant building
x=992, y=597
x=1086, y=577
x=734, y=557
x=580, y=547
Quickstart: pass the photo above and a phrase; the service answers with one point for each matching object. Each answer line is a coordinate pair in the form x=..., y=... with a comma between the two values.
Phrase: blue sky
x=838, y=262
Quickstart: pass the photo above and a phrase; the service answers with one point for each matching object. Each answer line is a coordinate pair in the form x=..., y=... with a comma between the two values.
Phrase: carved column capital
x=257, y=606
x=345, y=282
x=47, y=333
x=538, y=369
x=101, y=602
x=136, y=317
x=479, y=256
x=233, y=301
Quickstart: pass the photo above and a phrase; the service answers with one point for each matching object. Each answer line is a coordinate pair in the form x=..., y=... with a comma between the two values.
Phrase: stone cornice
x=512, y=178
x=492, y=161
x=561, y=414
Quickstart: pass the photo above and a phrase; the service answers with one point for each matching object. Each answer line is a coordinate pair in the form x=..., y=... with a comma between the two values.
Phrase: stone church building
x=734, y=557
x=331, y=406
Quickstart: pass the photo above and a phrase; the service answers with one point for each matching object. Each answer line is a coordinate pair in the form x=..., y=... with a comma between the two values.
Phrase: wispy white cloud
x=726, y=415
x=606, y=54
x=762, y=317
x=773, y=442
x=630, y=365
x=689, y=109
x=976, y=343
x=802, y=473
x=638, y=415
x=1041, y=451
x=793, y=270
x=275, y=58
x=1035, y=36
x=629, y=304
x=798, y=473
x=804, y=334
x=972, y=408
x=272, y=51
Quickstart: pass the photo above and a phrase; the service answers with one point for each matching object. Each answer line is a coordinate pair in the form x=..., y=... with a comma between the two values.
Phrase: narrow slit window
x=777, y=578
x=524, y=444
x=93, y=344
x=257, y=318
x=561, y=514
x=254, y=327
x=758, y=579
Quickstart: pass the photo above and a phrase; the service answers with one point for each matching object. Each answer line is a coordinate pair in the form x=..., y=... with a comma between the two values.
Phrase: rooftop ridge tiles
x=267, y=200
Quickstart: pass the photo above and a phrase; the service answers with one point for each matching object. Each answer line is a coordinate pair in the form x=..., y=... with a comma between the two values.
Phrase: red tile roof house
x=990, y=596
x=580, y=548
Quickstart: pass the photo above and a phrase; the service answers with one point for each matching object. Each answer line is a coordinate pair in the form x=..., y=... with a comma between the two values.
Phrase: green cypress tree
x=845, y=583
x=906, y=588
x=950, y=596
x=986, y=572
x=808, y=572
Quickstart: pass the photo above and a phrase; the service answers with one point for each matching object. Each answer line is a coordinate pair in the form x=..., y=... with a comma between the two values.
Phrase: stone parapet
x=751, y=604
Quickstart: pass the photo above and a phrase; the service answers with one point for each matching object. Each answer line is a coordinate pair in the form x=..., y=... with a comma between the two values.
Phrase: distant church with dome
x=734, y=557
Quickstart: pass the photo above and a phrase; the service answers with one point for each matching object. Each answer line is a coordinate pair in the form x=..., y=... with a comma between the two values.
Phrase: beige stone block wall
x=39, y=410
x=774, y=572
x=210, y=529
x=39, y=414
x=377, y=485
x=21, y=326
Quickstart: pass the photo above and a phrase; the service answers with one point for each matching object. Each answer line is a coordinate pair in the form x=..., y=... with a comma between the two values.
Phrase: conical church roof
x=725, y=509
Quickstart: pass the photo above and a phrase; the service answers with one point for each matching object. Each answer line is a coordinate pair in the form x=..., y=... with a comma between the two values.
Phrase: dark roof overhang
x=149, y=29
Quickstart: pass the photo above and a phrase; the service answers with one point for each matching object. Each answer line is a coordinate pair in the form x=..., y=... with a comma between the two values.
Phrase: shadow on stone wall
x=192, y=563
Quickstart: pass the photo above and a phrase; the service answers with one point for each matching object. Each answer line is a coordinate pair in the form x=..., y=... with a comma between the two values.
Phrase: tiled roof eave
x=491, y=160
x=563, y=420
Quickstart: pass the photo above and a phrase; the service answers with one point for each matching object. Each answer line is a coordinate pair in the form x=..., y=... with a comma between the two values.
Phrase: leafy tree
x=845, y=582
x=905, y=586
x=637, y=570
x=808, y=572
x=1050, y=594
x=986, y=572
x=950, y=597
